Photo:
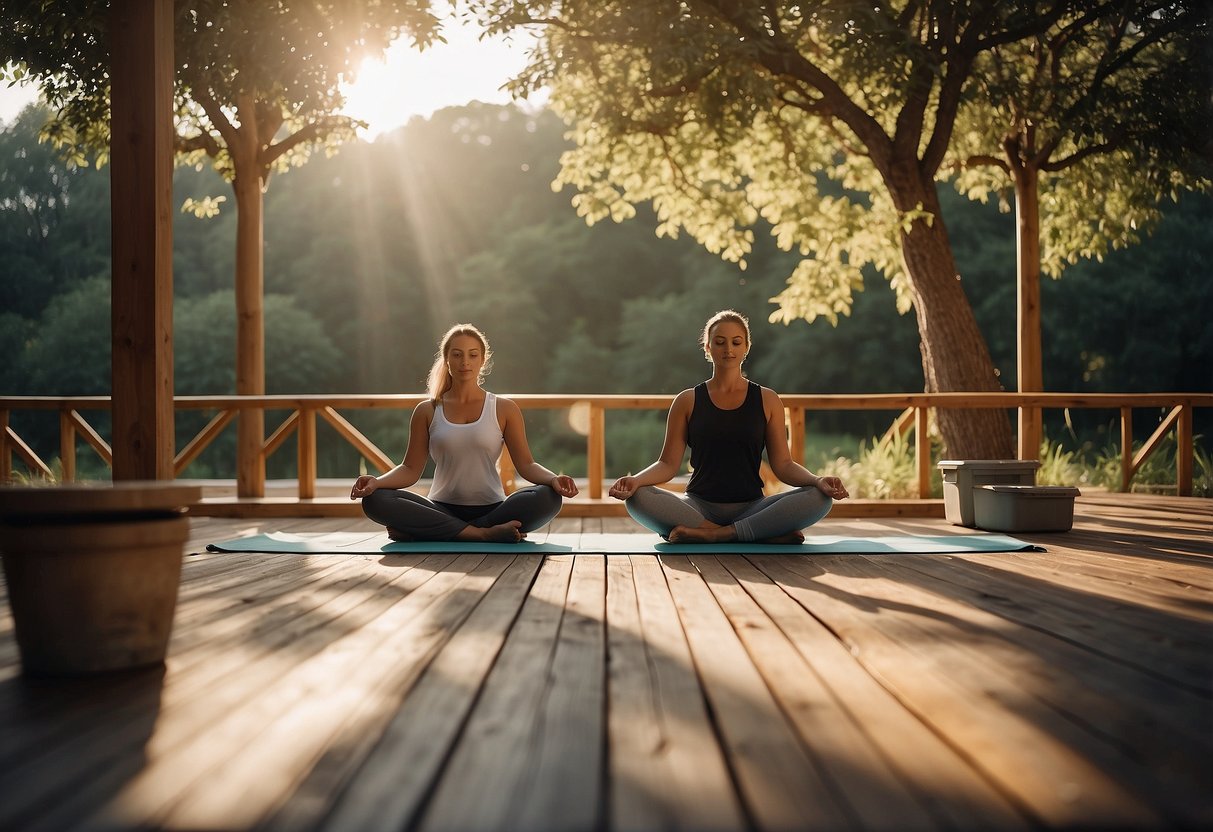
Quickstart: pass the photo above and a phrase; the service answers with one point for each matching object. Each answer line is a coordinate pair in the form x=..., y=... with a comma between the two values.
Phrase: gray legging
x=773, y=516
x=423, y=519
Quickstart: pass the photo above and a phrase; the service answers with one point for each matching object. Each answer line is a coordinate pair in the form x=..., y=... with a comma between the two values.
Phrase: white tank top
x=465, y=458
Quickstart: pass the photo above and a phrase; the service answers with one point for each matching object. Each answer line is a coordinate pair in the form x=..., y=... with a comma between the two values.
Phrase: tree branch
x=227, y=131
x=308, y=133
x=982, y=160
x=202, y=141
x=785, y=60
x=1079, y=155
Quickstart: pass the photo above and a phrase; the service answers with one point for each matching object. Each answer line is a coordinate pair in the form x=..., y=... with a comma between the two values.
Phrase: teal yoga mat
x=370, y=543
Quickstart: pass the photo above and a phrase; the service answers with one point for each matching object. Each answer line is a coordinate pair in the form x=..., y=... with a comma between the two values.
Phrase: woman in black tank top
x=727, y=422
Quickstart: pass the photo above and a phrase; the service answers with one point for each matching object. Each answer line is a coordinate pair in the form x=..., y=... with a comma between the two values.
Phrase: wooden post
x=796, y=431
x=1184, y=452
x=141, y=190
x=1126, y=448
x=922, y=450
x=505, y=469
x=596, y=450
x=1027, y=254
x=67, y=446
x=307, y=453
x=6, y=451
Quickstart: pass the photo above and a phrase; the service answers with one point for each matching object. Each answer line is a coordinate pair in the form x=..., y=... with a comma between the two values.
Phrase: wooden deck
x=1066, y=689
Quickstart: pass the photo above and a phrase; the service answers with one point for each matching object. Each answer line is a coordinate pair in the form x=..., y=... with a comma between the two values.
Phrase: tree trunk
x=955, y=357
x=250, y=328
x=1029, y=375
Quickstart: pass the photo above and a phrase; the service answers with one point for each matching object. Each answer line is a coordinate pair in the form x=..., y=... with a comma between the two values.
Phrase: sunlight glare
x=408, y=82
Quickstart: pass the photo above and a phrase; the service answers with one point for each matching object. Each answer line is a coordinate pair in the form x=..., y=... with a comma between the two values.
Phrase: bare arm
x=780, y=458
x=513, y=428
x=409, y=471
x=667, y=465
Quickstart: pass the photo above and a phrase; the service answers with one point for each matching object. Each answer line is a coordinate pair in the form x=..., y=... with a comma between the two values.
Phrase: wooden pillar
x=796, y=433
x=1126, y=448
x=141, y=188
x=1028, y=354
x=922, y=450
x=307, y=453
x=1184, y=452
x=6, y=452
x=596, y=450
x=67, y=446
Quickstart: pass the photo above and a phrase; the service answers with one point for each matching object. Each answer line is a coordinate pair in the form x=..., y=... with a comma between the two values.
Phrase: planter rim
x=134, y=496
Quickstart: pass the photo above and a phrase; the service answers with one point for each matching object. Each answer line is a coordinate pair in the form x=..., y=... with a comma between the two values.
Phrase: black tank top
x=726, y=448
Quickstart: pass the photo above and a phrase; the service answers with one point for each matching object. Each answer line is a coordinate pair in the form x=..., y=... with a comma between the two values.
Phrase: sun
x=408, y=82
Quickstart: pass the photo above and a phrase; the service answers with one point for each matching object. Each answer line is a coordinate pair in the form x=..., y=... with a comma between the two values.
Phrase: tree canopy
x=355, y=261
x=1110, y=108
x=829, y=122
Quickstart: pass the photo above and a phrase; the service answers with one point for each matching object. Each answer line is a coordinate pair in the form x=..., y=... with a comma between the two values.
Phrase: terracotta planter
x=92, y=572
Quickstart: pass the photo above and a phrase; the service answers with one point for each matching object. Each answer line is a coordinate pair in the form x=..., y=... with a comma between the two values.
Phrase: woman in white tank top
x=463, y=427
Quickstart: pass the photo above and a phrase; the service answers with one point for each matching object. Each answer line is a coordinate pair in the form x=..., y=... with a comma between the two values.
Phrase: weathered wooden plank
x=490, y=759
x=1168, y=646
x=393, y=780
x=666, y=770
x=349, y=692
x=779, y=785
x=848, y=760
x=940, y=776
x=275, y=600
x=1163, y=728
x=1176, y=588
x=564, y=777
x=1060, y=773
x=236, y=687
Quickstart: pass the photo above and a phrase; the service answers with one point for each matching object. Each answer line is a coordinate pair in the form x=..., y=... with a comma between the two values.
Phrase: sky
x=408, y=83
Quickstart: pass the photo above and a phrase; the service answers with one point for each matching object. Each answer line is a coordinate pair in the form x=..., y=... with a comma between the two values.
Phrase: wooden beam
x=1156, y=438
x=279, y=436
x=90, y=435
x=141, y=190
x=901, y=425
x=204, y=438
x=359, y=440
x=27, y=453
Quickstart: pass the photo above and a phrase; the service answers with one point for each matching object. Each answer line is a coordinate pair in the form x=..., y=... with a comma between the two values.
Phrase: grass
x=886, y=469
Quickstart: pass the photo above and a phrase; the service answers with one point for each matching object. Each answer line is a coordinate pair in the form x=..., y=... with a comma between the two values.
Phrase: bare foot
x=710, y=533
x=396, y=534
x=794, y=538
x=503, y=533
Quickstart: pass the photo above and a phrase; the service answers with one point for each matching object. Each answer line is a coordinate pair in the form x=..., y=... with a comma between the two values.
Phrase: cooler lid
x=989, y=463
x=1035, y=490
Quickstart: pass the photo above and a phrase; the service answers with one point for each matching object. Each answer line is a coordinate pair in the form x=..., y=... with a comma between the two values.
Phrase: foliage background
x=372, y=253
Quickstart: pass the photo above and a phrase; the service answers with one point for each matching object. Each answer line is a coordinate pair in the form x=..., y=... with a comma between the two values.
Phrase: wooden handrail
x=612, y=401
x=304, y=408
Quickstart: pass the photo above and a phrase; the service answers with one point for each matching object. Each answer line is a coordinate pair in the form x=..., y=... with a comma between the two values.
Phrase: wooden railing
x=304, y=411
